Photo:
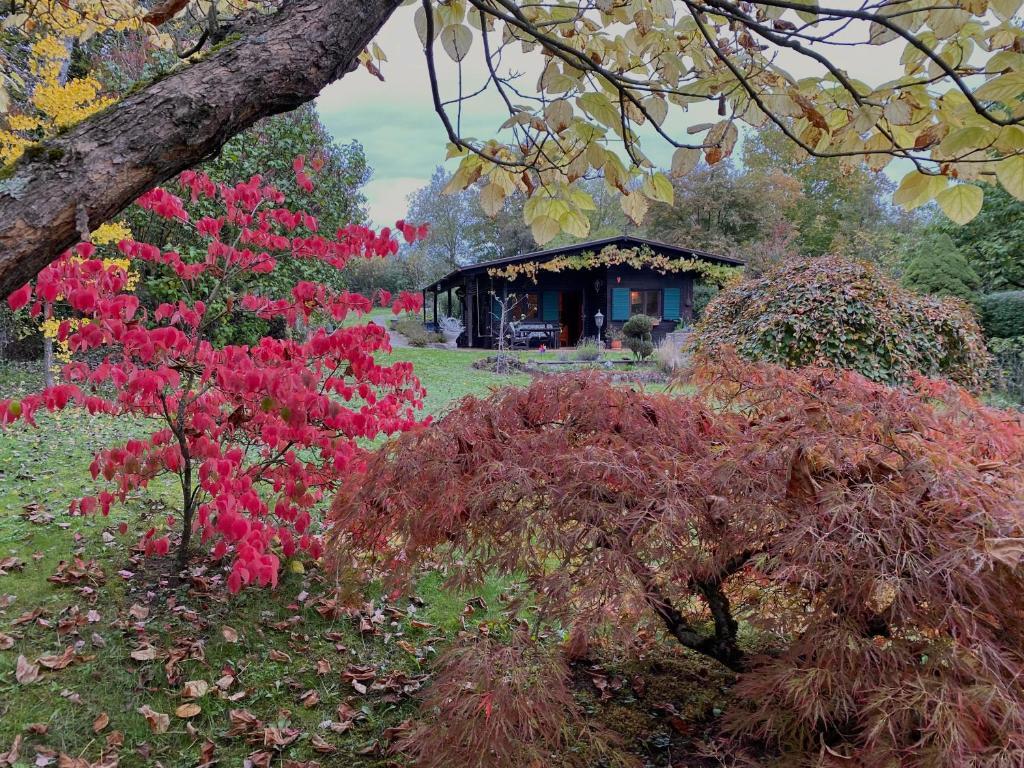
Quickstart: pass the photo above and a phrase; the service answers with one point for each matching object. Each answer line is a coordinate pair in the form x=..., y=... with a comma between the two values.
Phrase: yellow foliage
x=111, y=232
x=53, y=104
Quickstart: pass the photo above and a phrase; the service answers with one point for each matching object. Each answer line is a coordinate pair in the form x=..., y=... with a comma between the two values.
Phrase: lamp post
x=599, y=321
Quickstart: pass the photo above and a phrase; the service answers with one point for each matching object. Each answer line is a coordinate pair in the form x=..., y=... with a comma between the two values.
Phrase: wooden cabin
x=567, y=288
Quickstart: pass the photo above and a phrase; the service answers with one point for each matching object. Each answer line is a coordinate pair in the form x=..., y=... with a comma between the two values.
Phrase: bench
x=522, y=334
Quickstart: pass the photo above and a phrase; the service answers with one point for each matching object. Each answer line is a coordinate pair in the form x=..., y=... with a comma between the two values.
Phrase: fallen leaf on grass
x=145, y=653
x=78, y=571
x=6, y=641
x=34, y=512
x=8, y=564
x=26, y=672
x=230, y=635
x=186, y=711
x=102, y=721
x=38, y=729
x=138, y=612
x=310, y=698
x=158, y=721
x=243, y=723
x=276, y=655
x=11, y=756
x=195, y=689
x=58, y=662
x=321, y=745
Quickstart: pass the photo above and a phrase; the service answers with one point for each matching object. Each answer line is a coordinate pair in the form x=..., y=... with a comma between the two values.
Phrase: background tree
x=939, y=268
x=724, y=209
x=608, y=69
x=461, y=231
x=994, y=241
x=843, y=208
x=336, y=201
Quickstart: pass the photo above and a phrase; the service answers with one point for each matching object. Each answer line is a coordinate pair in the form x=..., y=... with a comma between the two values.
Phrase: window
x=647, y=302
x=527, y=307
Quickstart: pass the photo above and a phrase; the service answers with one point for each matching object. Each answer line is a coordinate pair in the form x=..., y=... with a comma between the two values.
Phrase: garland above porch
x=612, y=256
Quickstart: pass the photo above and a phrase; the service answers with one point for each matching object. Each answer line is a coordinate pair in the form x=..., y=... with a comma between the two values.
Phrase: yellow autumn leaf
x=961, y=202
x=1010, y=173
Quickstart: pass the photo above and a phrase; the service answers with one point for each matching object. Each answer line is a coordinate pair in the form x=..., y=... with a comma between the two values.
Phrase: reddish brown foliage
x=871, y=536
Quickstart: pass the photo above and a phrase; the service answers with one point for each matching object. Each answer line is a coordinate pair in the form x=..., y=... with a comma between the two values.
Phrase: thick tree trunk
x=73, y=183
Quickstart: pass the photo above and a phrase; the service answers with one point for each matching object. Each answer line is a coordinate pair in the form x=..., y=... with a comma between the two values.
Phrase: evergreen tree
x=939, y=268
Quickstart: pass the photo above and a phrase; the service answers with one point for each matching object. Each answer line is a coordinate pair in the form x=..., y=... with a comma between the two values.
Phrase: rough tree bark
x=73, y=183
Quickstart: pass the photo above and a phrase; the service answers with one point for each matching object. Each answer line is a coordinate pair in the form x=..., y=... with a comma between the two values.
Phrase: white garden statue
x=451, y=328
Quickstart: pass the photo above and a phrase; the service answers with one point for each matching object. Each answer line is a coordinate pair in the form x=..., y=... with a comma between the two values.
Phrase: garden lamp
x=598, y=321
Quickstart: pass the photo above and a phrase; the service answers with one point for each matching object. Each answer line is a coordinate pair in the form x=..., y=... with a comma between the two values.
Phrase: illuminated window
x=647, y=302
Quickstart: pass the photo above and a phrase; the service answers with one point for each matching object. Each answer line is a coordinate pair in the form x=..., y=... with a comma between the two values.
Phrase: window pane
x=636, y=302
x=528, y=308
x=645, y=302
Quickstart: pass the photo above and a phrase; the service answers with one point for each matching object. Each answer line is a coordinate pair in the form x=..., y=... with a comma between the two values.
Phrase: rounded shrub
x=637, y=336
x=845, y=314
x=1002, y=314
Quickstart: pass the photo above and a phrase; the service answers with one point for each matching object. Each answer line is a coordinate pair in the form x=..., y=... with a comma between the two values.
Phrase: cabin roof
x=627, y=241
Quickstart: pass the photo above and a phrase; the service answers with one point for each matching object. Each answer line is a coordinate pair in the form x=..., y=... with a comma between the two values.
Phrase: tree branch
x=101, y=165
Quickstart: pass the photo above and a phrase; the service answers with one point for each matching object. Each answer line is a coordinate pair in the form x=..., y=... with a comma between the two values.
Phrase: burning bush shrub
x=870, y=537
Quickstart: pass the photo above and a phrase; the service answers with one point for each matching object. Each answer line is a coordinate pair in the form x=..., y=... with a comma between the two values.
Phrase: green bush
x=1002, y=314
x=703, y=293
x=1009, y=365
x=636, y=336
x=412, y=328
x=940, y=269
x=846, y=314
x=587, y=351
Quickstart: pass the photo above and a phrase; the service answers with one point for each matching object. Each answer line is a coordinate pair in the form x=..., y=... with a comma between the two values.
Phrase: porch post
x=435, y=305
x=423, y=295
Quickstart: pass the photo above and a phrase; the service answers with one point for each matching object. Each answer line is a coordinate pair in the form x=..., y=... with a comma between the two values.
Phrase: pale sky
x=405, y=140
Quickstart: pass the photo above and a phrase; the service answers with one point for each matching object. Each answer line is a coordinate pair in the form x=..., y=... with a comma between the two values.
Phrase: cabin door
x=570, y=316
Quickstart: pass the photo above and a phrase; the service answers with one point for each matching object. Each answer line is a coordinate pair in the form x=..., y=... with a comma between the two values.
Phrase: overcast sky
x=405, y=141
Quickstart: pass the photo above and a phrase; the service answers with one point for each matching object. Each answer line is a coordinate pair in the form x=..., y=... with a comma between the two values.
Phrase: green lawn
x=287, y=639
x=325, y=680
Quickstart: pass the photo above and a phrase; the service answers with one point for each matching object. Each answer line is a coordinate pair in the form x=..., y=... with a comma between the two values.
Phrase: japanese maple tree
x=254, y=435
x=869, y=539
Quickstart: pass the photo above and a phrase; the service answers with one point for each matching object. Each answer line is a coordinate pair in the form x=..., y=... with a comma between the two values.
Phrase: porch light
x=598, y=321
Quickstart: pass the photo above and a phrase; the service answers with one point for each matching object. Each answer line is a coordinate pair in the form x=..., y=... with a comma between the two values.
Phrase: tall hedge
x=846, y=314
x=1002, y=314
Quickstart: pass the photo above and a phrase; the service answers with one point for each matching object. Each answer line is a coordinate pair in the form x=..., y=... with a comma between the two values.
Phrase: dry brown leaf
x=58, y=662
x=11, y=756
x=186, y=711
x=158, y=721
x=310, y=698
x=6, y=641
x=229, y=634
x=25, y=672
x=145, y=653
x=102, y=721
x=195, y=689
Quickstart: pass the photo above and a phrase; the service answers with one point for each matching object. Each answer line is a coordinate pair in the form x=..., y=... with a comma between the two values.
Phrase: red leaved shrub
x=871, y=538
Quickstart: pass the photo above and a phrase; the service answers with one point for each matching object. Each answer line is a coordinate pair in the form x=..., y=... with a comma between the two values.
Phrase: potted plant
x=451, y=328
x=614, y=337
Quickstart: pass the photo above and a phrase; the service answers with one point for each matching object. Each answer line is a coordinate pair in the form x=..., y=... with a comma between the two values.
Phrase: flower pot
x=616, y=343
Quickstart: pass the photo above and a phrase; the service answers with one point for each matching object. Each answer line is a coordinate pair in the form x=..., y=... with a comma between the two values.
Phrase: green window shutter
x=620, y=304
x=670, y=304
x=549, y=307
